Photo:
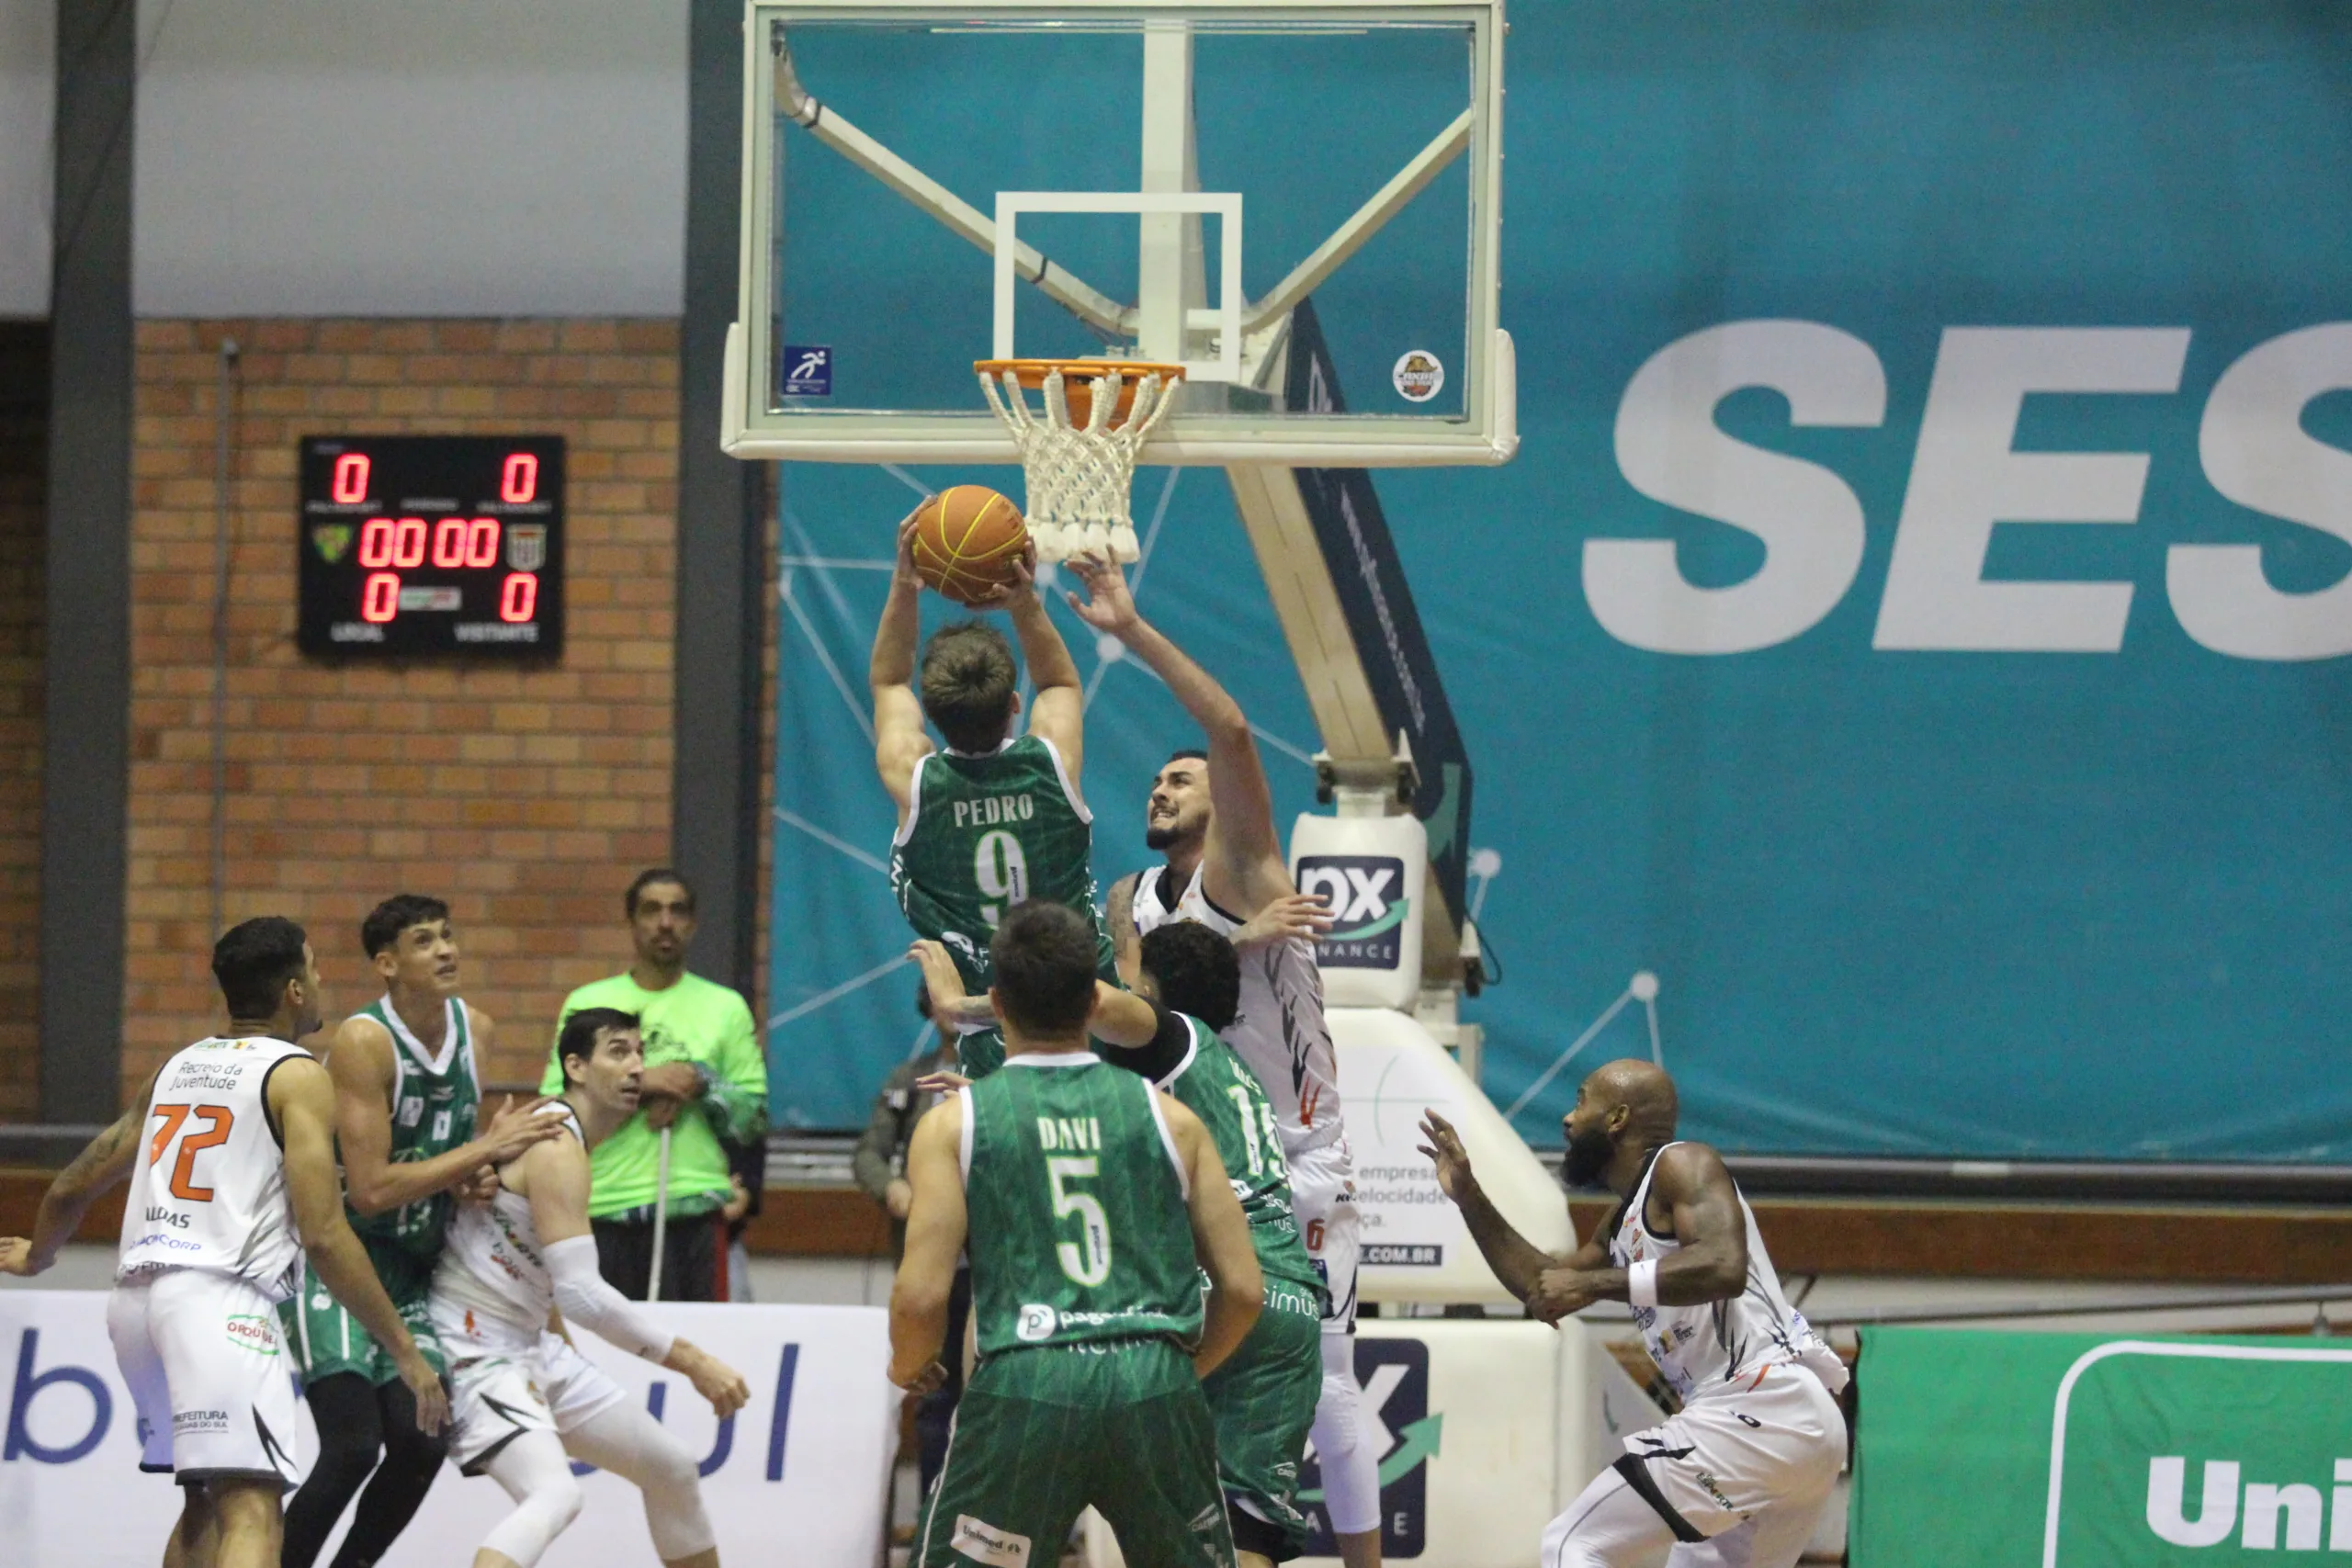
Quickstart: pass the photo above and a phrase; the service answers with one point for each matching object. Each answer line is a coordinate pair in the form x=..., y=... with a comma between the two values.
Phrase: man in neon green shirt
x=705, y=1080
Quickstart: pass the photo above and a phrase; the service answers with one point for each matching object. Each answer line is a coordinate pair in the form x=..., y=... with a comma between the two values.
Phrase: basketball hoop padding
x=1078, y=473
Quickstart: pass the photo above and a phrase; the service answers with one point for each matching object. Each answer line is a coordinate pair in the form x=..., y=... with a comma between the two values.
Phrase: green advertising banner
x=2078, y=1451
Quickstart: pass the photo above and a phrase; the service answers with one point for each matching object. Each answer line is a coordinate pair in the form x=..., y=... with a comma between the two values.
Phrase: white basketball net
x=1077, y=478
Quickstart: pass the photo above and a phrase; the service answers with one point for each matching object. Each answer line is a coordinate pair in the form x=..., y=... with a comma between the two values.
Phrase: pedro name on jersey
x=984, y=833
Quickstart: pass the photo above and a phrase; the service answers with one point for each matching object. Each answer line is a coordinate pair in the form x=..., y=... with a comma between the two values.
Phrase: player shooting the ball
x=996, y=818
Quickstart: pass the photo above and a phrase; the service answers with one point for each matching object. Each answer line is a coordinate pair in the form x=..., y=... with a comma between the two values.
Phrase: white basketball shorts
x=502, y=1384
x=1323, y=1195
x=209, y=1375
x=1773, y=1443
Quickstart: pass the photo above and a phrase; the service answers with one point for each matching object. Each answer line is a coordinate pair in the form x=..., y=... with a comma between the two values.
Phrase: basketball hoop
x=1078, y=465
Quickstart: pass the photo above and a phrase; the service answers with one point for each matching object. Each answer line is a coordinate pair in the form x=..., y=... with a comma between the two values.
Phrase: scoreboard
x=419, y=544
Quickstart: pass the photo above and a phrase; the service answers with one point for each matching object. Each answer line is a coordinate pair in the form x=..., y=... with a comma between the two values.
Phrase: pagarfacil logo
x=2222, y=1449
x=1368, y=901
x=1396, y=1420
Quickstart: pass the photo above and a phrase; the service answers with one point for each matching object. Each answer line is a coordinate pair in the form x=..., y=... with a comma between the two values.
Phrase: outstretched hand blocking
x=1108, y=606
x=1301, y=916
x=1444, y=1149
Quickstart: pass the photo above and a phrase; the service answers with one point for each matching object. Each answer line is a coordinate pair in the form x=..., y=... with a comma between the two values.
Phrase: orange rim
x=1031, y=372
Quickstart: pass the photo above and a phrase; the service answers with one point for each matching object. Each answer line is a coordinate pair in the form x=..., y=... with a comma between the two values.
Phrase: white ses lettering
x=2266, y=1507
x=1966, y=478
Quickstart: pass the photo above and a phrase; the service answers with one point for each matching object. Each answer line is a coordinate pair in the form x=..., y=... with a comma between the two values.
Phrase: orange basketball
x=968, y=539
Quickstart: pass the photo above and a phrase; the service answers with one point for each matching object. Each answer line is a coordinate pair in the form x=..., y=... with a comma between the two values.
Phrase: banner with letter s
x=805, y=1462
x=2078, y=1451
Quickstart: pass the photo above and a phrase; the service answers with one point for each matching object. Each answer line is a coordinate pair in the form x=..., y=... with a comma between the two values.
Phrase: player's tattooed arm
x=302, y=1099
x=1691, y=1182
x=900, y=739
x=104, y=1161
x=1518, y=1262
x=1127, y=942
x=360, y=1066
x=936, y=1222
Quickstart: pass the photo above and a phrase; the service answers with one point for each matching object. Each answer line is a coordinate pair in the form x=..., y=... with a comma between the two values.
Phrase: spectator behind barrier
x=705, y=1080
x=880, y=1165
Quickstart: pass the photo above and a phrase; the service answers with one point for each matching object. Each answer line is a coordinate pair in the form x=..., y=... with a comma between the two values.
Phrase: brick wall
x=24, y=436
x=527, y=797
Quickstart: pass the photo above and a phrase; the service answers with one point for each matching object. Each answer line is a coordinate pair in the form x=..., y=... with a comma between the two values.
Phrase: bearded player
x=996, y=818
x=523, y=1401
x=1740, y=1474
x=231, y=1153
x=1213, y=816
x=407, y=1092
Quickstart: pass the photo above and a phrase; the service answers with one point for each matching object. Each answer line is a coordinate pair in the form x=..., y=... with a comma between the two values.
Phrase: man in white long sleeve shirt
x=523, y=1400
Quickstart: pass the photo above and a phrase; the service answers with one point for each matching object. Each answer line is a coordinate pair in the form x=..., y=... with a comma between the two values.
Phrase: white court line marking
x=794, y=819
x=856, y=983
x=835, y=563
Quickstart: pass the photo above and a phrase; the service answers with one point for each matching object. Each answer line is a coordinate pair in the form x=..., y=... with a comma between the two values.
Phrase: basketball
x=968, y=539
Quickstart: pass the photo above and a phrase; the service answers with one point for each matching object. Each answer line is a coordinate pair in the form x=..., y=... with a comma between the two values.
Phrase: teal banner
x=1914, y=628
x=2076, y=1450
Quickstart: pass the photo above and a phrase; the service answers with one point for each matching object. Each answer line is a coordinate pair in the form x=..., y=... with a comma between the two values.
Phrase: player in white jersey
x=524, y=1400
x=1738, y=1477
x=1212, y=815
x=231, y=1153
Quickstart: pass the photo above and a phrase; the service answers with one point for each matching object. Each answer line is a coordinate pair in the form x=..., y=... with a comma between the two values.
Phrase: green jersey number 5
x=1090, y=1263
x=1003, y=873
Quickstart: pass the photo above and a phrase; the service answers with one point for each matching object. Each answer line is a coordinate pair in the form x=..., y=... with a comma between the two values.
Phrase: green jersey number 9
x=1002, y=871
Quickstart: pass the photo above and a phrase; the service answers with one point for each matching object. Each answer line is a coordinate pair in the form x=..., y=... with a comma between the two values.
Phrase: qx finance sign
x=1967, y=476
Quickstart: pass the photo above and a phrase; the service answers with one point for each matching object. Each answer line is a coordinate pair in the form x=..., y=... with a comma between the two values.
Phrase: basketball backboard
x=928, y=185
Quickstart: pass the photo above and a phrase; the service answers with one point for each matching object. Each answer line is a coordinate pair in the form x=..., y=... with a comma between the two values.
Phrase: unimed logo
x=2172, y=1451
x=2265, y=1516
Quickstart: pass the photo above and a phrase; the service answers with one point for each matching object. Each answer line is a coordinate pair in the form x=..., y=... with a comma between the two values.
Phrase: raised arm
x=1518, y=1262
x=1220, y=1239
x=303, y=1101
x=1057, y=704
x=1711, y=1265
x=1244, y=853
x=104, y=1161
x=900, y=739
x=360, y=1064
x=936, y=1229
x=1127, y=942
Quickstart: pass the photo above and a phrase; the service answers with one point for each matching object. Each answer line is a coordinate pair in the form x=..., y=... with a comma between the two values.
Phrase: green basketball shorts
x=1043, y=1432
x=327, y=1339
x=1262, y=1401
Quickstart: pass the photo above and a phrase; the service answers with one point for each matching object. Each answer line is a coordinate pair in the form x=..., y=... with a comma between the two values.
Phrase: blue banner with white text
x=1914, y=630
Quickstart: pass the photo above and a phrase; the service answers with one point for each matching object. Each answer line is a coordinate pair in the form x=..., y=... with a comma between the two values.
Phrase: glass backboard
x=927, y=185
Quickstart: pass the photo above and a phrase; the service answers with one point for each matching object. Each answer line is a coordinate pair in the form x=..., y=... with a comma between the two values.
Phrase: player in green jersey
x=1089, y=1202
x=1187, y=980
x=407, y=1095
x=995, y=819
